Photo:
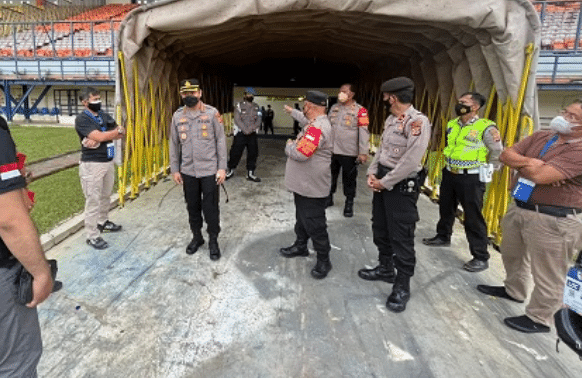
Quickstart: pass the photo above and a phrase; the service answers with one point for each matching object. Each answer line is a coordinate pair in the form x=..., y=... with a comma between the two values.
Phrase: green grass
x=58, y=197
x=43, y=142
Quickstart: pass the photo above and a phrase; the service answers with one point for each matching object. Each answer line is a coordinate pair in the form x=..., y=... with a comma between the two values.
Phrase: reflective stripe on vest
x=465, y=147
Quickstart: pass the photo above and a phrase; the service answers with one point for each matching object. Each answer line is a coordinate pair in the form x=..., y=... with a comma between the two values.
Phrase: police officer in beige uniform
x=198, y=161
x=308, y=176
x=395, y=175
x=247, y=120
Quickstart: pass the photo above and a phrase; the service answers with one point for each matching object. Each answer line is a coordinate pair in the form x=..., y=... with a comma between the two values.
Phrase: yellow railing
x=512, y=126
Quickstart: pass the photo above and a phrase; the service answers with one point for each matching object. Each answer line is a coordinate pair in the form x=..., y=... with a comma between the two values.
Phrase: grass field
x=43, y=142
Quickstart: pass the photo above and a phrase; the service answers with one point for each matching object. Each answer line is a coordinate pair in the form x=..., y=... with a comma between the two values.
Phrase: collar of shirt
x=471, y=121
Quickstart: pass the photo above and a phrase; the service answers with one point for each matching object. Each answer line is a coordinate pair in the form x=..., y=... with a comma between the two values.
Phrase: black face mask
x=190, y=101
x=94, y=106
x=249, y=98
x=462, y=109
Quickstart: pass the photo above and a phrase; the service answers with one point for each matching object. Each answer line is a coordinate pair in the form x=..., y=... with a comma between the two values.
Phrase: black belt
x=556, y=211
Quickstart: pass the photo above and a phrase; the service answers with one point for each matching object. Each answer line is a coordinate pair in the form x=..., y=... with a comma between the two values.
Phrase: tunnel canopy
x=446, y=46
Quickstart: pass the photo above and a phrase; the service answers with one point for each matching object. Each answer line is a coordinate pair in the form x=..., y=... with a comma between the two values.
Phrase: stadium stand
x=560, y=24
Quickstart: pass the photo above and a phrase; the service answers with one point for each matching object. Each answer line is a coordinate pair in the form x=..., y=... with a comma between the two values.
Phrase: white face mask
x=560, y=125
x=342, y=97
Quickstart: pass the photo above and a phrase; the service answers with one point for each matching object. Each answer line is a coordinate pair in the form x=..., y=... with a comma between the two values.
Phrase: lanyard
x=97, y=119
x=547, y=146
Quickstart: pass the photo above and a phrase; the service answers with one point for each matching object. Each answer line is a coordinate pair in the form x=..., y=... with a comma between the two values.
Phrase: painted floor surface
x=143, y=308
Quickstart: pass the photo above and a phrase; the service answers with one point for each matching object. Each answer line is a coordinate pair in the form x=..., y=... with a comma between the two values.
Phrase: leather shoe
x=196, y=242
x=476, y=265
x=379, y=273
x=321, y=269
x=295, y=250
x=213, y=248
x=349, y=208
x=398, y=299
x=525, y=324
x=436, y=241
x=496, y=291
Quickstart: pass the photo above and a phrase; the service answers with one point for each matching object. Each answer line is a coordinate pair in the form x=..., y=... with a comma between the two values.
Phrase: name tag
x=573, y=290
x=9, y=175
x=486, y=173
x=110, y=150
x=523, y=189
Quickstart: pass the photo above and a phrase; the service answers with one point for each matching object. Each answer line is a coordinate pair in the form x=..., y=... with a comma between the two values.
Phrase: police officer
x=268, y=115
x=247, y=120
x=198, y=161
x=21, y=345
x=349, y=121
x=308, y=176
x=395, y=176
x=471, y=142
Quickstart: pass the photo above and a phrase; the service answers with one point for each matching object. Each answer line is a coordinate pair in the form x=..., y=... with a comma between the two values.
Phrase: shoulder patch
x=363, y=119
x=310, y=141
x=416, y=127
x=219, y=117
x=495, y=134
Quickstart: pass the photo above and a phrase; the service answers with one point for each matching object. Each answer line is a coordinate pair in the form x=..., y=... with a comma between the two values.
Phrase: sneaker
x=229, y=173
x=97, y=243
x=108, y=227
x=251, y=177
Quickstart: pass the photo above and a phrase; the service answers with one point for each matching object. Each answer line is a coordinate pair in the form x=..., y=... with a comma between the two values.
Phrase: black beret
x=316, y=97
x=397, y=84
x=189, y=85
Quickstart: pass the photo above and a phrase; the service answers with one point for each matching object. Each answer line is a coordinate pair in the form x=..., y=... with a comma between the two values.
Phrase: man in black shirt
x=21, y=345
x=97, y=131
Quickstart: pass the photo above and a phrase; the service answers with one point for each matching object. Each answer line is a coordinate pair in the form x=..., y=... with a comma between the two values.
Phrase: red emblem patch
x=416, y=128
x=219, y=117
x=495, y=134
x=309, y=142
x=363, y=119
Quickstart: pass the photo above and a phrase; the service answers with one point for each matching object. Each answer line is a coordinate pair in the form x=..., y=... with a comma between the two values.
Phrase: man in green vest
x=471, y=153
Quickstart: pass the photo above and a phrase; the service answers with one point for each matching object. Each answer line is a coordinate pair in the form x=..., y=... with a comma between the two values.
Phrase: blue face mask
x=560, y=125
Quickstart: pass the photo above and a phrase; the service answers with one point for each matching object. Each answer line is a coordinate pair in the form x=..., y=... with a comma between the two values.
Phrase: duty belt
x=460, y=171
x=556, y=211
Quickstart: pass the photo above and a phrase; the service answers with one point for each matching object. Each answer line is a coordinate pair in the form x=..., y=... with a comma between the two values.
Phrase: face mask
x=249, y=98
x=190, y=101
x=342, y=97
x=560, y=125
x=94, y=106
x=462, y=109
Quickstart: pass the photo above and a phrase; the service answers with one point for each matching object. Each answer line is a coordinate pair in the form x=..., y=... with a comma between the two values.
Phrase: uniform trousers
x=311, y=223
x=97, y=181
x=202, y=197
x=467, y=190
x=349, y=169
x=21, y=345
x=394, y=217
x=238, y=145
x=540, y=246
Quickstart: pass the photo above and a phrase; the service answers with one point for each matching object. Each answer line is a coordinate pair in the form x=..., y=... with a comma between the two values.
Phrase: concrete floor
x=143, y=308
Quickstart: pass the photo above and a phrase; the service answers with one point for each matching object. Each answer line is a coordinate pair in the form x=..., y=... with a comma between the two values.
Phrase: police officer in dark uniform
x=21, y=345
x=308, y=176
x=247, y=120
x=198, y=161
x=395, y=175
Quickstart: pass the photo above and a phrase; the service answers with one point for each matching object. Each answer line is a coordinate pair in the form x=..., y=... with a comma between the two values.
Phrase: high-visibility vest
x=465, y=147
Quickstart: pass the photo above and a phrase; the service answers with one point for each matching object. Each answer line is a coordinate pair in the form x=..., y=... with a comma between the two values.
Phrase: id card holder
x=110, y=150
x=523, y=189
x=573, y=290
x=486, y=173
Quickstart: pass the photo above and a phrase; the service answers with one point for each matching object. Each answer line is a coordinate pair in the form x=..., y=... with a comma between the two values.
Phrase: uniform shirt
x=566, y=157
x=350, y=129
x=403, y=144
x=10, y=177
x=197, y=141
x=491, y=139
x=308, y=171
x=84, y=125
x=246, y=117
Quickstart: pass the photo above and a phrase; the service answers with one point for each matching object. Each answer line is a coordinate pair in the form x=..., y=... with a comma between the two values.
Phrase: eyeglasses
x=571, y=117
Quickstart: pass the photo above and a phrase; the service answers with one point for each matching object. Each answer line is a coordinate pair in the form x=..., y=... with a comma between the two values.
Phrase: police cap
x=316, y=97
x=189, y=85
x=398, y=84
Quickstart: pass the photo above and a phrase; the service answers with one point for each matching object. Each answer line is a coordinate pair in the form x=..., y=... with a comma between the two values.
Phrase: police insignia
x=183, y=136
x=495, y=134
x=363, y=119
x=219, y=117
x=348, y=123
x=204, y=134
x=204, y=127
x=416, y=128
x=309, y=142
x=183, y=120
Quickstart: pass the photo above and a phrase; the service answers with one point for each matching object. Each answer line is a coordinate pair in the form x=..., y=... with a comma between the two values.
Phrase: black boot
x=196, y=242
x=213, y=247
x=322, y=267
x=400, y=294
x=382, y=272
x=349, y=207
x=299, y=248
